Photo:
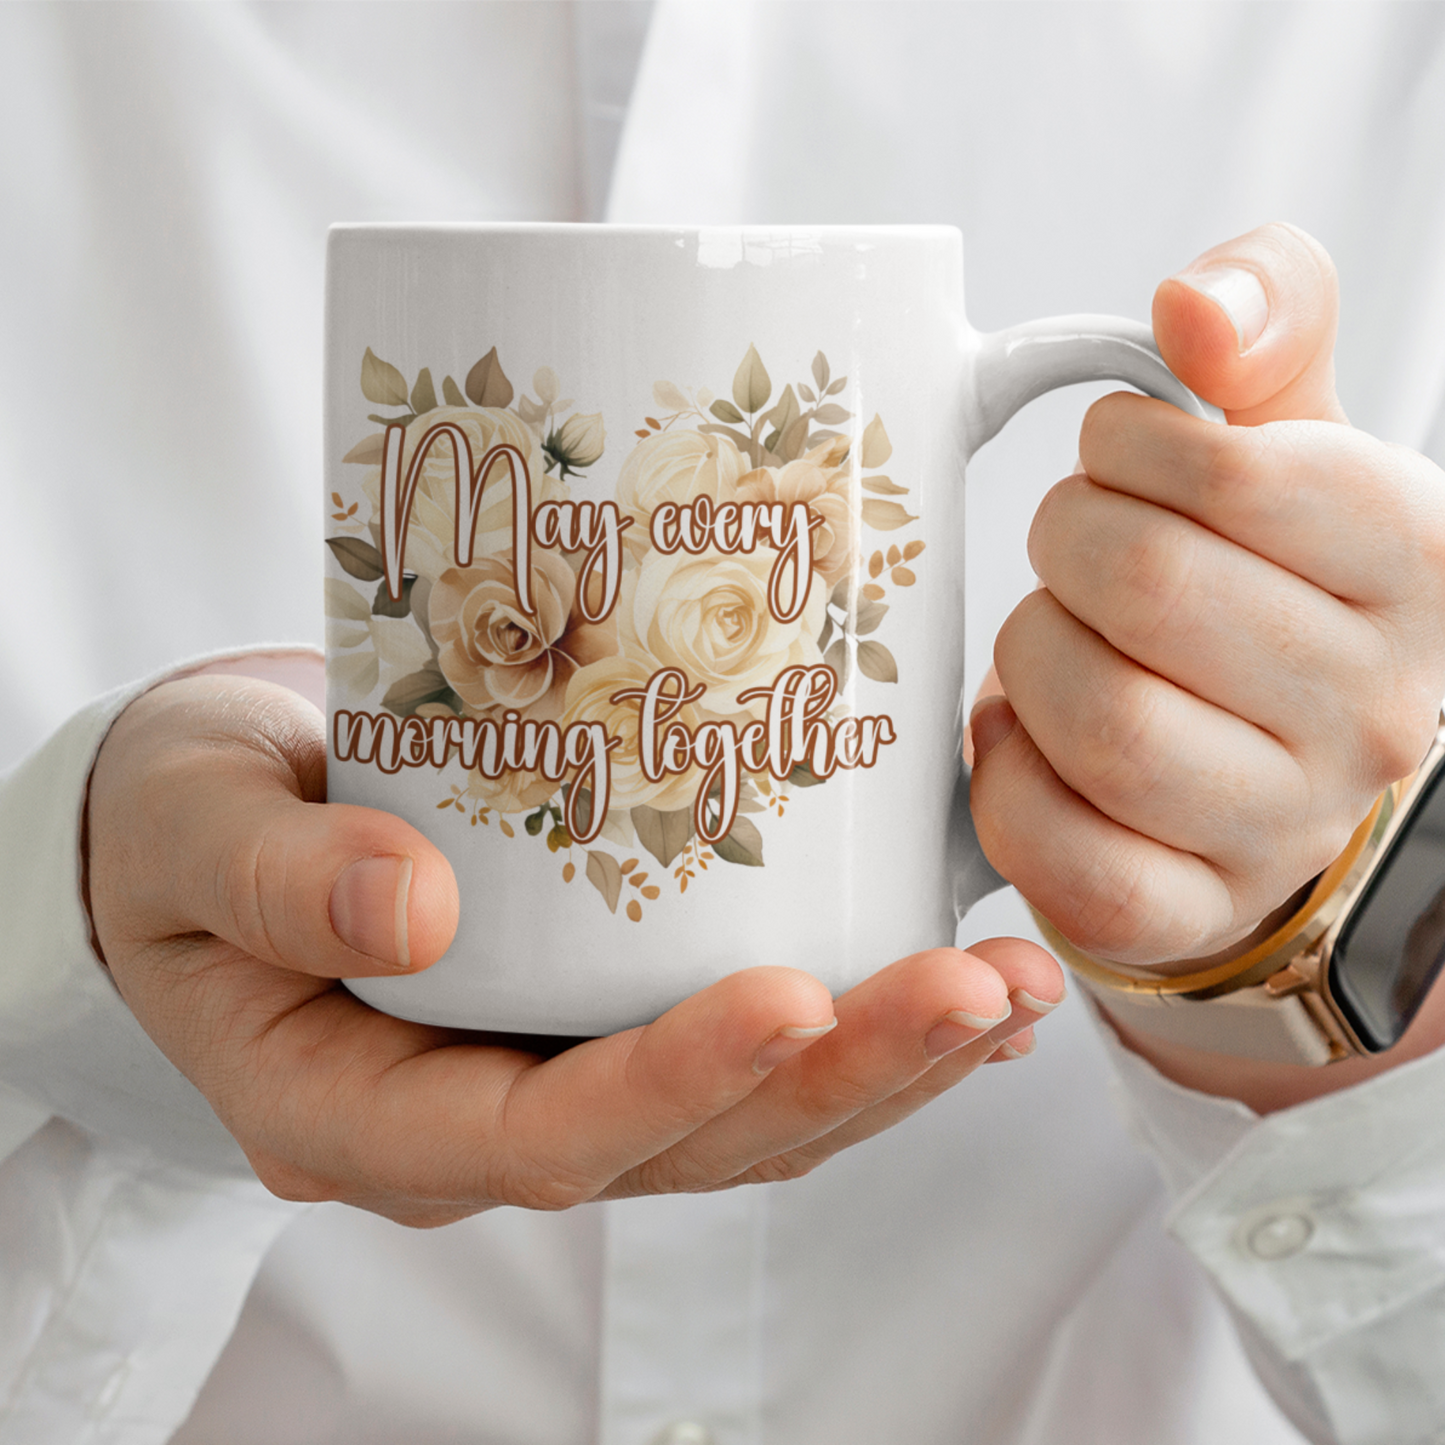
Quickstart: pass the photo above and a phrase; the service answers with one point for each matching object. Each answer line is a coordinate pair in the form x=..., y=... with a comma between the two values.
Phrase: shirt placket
x=682, y=1309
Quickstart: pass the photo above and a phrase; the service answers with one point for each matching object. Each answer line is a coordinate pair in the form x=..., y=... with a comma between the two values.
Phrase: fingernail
x=955, y=1029
x=1237, y=293
x=368, y=909
x=990, y=722
x=789, y=1040
x=1014, y=1051
x=1024, y=999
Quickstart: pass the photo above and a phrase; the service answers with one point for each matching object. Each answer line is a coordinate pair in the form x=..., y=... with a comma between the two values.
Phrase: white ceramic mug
x=645, y=593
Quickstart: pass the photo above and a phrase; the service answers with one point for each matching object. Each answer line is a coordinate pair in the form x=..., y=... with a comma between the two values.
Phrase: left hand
x=1240, y=637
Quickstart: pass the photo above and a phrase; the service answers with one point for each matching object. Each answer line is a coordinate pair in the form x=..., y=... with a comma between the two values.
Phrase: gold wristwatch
x=1343, y=976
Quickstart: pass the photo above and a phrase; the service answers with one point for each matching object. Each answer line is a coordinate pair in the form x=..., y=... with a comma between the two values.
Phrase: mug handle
x=1010, y=369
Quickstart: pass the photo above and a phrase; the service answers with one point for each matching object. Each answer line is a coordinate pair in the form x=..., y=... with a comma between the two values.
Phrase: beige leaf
x=903, y=577
x=487, y=383
x=605, y=876
x=831, y=414
x=875, y=661
x=452, y=392
x=820, y=371
x=345, y=603
x=664, y=835
x=875, y=564
x=381, y=382
x=742, y=844
x=876, y=446
x=837, y=658
x=872, y=591
x=368, y=450
x=547, y=386
x=912, y=550
x=885, y=516
x=634, y=911
x=884, y=486
x=752, y=386
x=423, y=394
x=870, y=614
x=668, y=396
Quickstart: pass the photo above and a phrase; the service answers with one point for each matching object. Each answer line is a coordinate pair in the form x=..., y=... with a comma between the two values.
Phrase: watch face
x=1391, y=947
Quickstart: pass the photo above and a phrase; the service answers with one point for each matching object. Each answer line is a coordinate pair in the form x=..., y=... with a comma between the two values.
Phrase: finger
x=1035, y=985
x=379, y=1112
x=890, y=1029
x=1250, y=326
x=1109, y=890
x=1145, y=752
x=208, y=780
x=1351, y=514
x=1210, y=616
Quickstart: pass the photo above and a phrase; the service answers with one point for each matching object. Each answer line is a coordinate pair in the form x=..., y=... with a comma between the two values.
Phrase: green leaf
x=487, y=383
x=803, y=776
x=381, y=382
x=725, y=411
x=584, y=806
x=837, y=658
x=382, y=604
x=664, y=835
x=535, y=822
x=423, y=394
x=405, y=419
x=752, y=386
x=826, y=635
x=452, y=392
x=357, y=558
x=743, y=844
x=875, y=661
x=404, y=697
x=605, y=875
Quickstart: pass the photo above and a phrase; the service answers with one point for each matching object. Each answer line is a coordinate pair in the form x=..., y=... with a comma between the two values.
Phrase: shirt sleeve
x=133, y=1223
x=1323, y=1227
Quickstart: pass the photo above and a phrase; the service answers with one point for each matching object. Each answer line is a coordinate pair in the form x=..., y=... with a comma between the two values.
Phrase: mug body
x=644, y=584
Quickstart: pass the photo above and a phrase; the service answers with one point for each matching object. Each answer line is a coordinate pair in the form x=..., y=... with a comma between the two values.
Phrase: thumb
x=205, y=817
x=1250, y=326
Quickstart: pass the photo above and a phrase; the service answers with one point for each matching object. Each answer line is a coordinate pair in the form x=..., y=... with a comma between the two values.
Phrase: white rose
x=677, y=467
x=709, y=616
x=431, y=535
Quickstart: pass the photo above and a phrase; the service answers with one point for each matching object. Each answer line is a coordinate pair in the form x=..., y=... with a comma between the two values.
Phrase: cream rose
x=678, y=467
x=827, y=487
x=589, y=699
x=709, y=616
x=494, y=655
x=431, y=535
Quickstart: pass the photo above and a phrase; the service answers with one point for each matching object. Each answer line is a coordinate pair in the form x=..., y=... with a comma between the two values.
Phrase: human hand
x=223, y=903
x=1240, y=637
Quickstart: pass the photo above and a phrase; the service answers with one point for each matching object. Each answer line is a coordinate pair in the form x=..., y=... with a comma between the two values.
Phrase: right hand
x=222, y=903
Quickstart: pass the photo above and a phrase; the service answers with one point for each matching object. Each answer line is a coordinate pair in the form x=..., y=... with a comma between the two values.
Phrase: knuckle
x=1157, y=572
x=780, y=1169
x=1229, y=485
x=1120, y=752
x=543, y=1190
x=1116, y=906
x=1395, y=734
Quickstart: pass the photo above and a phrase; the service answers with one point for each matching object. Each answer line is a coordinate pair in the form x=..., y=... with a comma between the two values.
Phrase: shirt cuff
x=69, y=1046
x=1323, y=1226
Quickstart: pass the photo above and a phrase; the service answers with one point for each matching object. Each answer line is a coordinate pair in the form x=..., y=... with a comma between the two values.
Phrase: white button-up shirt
x=1004, y=1267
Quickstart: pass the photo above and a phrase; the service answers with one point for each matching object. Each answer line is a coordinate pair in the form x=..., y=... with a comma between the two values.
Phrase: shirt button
x=1277, y=1236
x=683, y=1432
